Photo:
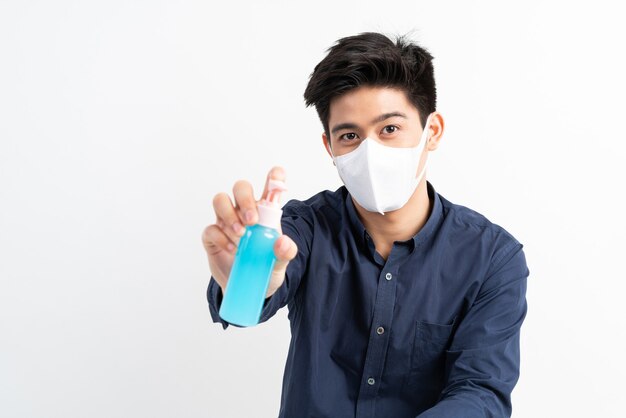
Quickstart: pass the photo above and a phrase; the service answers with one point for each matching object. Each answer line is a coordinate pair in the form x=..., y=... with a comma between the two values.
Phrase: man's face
x=382, y=114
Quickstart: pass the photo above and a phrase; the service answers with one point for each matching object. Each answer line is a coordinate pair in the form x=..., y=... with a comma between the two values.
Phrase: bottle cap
x=269, y=208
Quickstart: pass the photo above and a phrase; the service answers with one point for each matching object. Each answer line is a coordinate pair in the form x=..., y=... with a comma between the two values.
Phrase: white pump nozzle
x=269, y=208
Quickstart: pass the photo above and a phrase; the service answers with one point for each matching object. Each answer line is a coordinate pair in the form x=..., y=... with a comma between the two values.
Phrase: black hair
x=372, y=59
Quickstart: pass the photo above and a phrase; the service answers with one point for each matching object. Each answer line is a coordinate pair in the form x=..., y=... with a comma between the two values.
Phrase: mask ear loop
x=332, y=154
x=426, y=140
x=427, y=127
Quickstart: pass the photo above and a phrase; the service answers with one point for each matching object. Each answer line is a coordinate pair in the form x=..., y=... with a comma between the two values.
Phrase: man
x=401, y=303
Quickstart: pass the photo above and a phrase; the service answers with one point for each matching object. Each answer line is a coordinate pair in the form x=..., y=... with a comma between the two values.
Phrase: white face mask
x=382, y=178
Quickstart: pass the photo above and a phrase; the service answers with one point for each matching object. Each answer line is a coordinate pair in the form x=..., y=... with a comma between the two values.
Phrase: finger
x=227, y=217
x=214, y=240
x=276, y=173
x=245, y=203
x=285, y=250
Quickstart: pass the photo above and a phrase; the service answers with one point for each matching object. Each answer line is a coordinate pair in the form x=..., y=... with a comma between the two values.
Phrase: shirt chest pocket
x=428, y=355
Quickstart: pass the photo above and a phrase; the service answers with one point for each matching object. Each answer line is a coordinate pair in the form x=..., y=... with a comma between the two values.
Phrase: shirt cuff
x=215, y=296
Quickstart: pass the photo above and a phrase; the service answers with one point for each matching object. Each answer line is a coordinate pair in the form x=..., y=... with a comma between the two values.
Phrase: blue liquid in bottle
x=250, y=276
x=254, y=261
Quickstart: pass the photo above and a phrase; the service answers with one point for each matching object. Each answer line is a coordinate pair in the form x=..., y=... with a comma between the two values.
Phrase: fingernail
x=238, y=228
x=230, y=247
x=284, y=246
x=249, y=216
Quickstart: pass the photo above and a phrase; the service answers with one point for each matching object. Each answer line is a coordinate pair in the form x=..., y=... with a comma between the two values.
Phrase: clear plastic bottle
x=250, y=274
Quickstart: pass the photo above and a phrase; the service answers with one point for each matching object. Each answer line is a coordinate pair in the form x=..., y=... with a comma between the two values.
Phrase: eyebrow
x=349, y=125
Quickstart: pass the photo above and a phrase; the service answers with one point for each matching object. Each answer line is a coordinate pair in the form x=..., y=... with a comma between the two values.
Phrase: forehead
x=366, y=102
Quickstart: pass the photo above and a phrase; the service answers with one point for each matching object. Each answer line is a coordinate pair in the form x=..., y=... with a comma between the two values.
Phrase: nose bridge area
x=372, y=135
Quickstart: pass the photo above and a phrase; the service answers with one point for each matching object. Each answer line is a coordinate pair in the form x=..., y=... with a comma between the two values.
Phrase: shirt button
x=371, y=381
x=380, y=330
x=388, y=276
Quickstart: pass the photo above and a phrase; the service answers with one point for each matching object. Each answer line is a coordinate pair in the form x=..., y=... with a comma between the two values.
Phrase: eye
x=347, y=137
x=395, y=128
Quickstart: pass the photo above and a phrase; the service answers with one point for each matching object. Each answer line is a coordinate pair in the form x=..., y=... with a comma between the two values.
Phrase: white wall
x=119, y=121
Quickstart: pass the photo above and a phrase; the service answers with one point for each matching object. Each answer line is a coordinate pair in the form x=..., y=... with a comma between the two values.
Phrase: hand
x=221, y=239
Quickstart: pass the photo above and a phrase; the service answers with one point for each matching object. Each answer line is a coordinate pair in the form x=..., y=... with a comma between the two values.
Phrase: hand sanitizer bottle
x=252, y=268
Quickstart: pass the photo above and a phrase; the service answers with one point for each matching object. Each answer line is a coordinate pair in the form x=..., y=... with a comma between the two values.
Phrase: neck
x=398, y=225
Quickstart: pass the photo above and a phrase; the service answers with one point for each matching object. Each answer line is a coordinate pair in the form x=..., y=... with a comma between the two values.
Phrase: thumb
x=285, y=250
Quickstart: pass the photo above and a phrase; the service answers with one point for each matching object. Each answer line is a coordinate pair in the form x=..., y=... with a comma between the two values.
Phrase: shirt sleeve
x=482, y=364
x=299, y=228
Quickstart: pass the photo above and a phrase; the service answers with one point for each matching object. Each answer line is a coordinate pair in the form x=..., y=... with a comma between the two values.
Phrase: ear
x=327, y=145
x=436, y=131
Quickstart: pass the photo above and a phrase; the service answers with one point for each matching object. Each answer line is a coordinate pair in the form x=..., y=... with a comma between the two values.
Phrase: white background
x=119, y=121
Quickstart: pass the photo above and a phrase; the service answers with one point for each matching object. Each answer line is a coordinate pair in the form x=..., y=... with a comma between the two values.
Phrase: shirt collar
x=422, y=235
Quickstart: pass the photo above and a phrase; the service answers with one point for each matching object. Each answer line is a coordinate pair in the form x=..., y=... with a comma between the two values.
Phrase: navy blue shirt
x=433, y=331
